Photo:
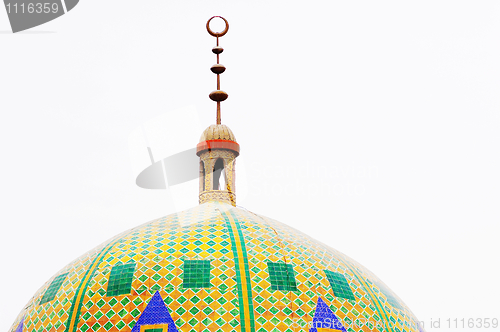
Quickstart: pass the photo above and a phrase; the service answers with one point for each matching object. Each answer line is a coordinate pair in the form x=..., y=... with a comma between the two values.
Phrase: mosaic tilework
x=241, y=263
x=281, y=276
x=51, y=292
x=54, y=314
x=309, y=259
x=239, y=245
x=20, y=326
x=391, y=297
x=158, y=329
x=155, y=317
x=74, y=313
x=339, y=285
x=120, y=279
x=324, y=319
x=196, y=274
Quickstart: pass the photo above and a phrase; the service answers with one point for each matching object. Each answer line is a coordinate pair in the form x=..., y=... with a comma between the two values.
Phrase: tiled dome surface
x=216, y=268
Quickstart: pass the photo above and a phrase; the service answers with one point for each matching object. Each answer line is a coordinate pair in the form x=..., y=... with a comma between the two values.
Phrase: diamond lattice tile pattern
x=202, y=262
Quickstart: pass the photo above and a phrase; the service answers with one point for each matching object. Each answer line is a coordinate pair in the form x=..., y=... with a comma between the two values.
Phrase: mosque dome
x=215, y=267
x=217, y=132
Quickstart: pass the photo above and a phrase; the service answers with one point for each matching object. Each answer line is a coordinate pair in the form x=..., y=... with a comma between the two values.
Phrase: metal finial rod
x=218, y=95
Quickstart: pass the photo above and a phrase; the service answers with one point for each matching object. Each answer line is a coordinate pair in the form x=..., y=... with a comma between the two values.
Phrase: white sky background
x=372, y=126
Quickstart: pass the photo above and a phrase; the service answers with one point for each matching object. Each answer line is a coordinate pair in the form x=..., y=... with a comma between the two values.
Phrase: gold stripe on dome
x=244, y=281
x=75, y=311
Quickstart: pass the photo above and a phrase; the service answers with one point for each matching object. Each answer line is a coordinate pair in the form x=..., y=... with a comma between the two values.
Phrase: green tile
x=339, y=285
x=154, y=330
x=196, y=274
x=120, y=279
x=282, y=276
x=51, y=292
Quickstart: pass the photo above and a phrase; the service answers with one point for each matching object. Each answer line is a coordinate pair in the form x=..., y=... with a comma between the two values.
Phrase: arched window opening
x=219, y=181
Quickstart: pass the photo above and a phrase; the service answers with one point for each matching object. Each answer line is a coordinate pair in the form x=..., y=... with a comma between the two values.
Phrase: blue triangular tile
x=325, y=318
x=20, y=326
x=156, y=312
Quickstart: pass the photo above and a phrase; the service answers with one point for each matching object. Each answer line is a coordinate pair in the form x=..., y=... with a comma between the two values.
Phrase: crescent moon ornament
x=217, y=34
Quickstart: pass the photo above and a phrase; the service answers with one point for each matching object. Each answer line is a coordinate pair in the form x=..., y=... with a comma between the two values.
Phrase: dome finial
x=218, y=95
